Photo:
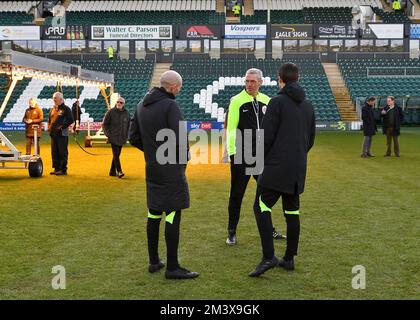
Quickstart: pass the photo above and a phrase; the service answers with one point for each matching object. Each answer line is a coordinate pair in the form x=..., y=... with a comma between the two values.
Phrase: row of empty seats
x=145, y=18
x=190, y=5
x=300, y=4
x=16, y=6
x=318, y=16
x=210, y=83
x=383, y=77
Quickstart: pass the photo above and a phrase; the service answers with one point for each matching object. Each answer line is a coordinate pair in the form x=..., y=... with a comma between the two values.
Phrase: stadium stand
x=132, y=80
x=382, y=77
x=204, y=77
x=392, y=17
x=15, y=12
x=143, y=12
x=11, y=114
x=306, y=11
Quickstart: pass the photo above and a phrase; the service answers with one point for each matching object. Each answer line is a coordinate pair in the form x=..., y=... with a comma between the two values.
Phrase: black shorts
x=270, y=197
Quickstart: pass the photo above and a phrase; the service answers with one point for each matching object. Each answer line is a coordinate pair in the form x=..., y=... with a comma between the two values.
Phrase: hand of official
x=383, y=112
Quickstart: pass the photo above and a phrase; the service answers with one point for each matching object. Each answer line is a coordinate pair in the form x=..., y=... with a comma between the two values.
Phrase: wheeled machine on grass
x=18, y=66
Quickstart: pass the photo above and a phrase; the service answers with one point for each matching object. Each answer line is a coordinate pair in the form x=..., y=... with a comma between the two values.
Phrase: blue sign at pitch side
x=415, y=31
x=12, y=126
x=193, y=125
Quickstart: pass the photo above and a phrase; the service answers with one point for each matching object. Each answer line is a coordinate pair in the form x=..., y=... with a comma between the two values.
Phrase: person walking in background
x=110, y=52
x=33, y=117
x=76, y=112
x=236, y=9
x=396, y=5
x=116, y=124
x=369, y=127
x=59, y=120
x=392, y=116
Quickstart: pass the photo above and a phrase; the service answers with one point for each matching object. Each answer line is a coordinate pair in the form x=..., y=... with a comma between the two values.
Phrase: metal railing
x=374, y=55
x=399, y=72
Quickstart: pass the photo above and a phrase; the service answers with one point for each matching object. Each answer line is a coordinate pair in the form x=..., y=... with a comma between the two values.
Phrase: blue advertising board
x=415, y=31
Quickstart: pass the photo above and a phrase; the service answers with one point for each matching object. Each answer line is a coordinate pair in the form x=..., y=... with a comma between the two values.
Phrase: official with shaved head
x=59, y=120
x=157, y=129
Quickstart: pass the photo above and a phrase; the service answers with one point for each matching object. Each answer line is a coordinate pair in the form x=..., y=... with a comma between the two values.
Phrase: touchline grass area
x=354, y=212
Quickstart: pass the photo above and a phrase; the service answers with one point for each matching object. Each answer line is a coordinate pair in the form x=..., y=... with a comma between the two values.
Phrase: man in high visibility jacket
x=236, y=10
x=396, y=5
x=246, y=112
x=111, y=53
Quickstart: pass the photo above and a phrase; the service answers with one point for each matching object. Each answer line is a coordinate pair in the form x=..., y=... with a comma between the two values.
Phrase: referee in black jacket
x=289, y=134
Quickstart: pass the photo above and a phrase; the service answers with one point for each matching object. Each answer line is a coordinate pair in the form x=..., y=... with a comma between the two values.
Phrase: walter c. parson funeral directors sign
x=132, y=32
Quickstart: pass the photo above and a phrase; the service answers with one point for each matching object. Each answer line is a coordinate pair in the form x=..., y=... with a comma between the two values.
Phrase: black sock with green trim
x=265, y=228
x=172, y=241
x=153, y=225
x=293, y=231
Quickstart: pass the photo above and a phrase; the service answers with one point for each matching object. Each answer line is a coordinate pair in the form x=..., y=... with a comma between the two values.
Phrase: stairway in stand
x=342, y=97
x=160, y=68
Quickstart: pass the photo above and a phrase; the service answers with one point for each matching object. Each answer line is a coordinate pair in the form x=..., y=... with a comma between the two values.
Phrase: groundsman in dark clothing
x=33, y=117
x=289, y=134
x=393, y=117
x=59, y=120
x=369, y=127
x=116, y=124
x=76, y=112
x=158, y=123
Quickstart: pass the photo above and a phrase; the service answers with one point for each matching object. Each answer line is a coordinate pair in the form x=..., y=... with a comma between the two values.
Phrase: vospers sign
x=243, y=31
x=291, y=31
x=131, y=32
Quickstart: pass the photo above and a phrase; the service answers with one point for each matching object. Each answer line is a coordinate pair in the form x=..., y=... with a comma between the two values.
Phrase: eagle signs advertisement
x=291, y=31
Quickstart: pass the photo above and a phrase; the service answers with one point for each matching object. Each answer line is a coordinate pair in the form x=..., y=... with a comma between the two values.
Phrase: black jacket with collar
x=289, y=134
x=166, y=183
x=116, y=123
x=368, y=118
x=399, y=118
x=59, y=121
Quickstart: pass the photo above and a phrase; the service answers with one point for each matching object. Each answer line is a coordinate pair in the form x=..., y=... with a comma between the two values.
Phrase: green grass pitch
x=354, y=212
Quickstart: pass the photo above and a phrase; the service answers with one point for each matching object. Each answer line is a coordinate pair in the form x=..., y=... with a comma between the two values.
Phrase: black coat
x=116, y=124
x=289, y=134
x=59, y=121
x=368, y=118
x=167, y=186
x=399, y=118
x=76, y=112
